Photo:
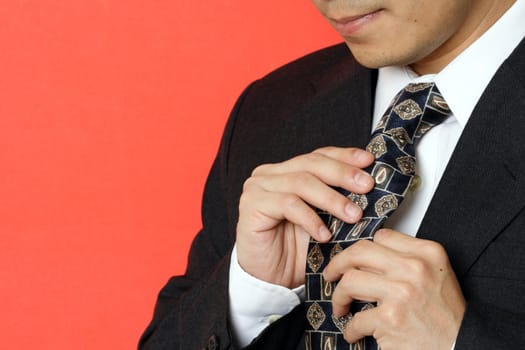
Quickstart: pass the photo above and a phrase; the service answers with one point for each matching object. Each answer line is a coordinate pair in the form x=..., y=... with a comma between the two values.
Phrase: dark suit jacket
x=477, y=213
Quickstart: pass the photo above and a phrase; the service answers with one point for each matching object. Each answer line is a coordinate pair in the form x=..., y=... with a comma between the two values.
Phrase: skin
x=418, y=295
x=414, y=32
x=420, y=303
x=276, y=218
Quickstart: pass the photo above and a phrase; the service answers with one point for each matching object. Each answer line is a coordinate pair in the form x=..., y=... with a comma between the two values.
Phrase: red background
x=110, y=115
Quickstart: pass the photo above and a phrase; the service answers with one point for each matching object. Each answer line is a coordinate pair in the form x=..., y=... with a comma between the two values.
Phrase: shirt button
x=415, y=183
x=213, y=343
x=273, y=318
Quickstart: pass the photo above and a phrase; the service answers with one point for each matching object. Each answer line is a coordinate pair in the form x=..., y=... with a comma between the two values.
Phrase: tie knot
x=413, y=112
x=428, y=101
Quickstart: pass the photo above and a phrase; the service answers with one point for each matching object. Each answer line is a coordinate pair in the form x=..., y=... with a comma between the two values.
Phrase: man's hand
x=419, y=302
x=276, y=218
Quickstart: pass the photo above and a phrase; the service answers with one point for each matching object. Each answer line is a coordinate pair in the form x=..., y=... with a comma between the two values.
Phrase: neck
x=470, y=31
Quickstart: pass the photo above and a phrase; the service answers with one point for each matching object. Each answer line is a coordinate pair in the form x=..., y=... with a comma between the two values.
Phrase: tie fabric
x=413, y=112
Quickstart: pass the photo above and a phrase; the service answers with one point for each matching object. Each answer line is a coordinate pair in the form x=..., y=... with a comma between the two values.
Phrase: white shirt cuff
x=255, y=304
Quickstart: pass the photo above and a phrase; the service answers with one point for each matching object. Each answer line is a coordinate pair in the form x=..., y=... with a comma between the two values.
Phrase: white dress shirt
x=254, y=304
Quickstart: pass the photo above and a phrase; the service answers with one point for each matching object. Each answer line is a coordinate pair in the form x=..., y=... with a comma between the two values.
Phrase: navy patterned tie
x=414, y=111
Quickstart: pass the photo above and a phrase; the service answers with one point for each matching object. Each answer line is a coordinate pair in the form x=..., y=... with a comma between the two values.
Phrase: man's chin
x=377, y=58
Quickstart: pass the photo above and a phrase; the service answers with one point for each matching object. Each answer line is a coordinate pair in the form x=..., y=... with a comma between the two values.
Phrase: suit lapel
x=483, y=187
x=351, y=97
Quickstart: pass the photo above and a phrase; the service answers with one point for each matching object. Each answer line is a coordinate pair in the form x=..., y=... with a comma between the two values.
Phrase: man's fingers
x=362, y=324
x=393, y=254
x=396, y=240
x=311, y=190
x=276, y=207
x=363, y=254
x=353, y=156
x=358, y=285
x=427, y=250
x=331, y=171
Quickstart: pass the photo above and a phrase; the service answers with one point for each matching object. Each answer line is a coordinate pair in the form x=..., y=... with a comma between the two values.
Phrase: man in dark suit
x=455, y=276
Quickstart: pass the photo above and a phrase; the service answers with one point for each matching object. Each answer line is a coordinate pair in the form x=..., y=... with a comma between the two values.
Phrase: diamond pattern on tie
x=414, y=111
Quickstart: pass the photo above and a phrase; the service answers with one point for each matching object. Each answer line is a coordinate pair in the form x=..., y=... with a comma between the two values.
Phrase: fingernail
x=363, y=179
x=363, y=155
x=325, y=233
x=352, y=211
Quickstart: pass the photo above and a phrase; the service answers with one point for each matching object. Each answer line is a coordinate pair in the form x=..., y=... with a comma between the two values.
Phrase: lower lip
x=348, y=28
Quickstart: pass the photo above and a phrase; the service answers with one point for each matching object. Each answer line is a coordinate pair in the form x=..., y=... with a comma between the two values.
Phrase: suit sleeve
x=276, y=118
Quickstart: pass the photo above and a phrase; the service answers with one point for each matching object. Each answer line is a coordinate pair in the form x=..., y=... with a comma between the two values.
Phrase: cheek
x=429, y=24
x=422, y=32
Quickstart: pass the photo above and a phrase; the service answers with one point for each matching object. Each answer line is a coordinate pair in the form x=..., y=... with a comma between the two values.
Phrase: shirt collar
x=476, y=65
